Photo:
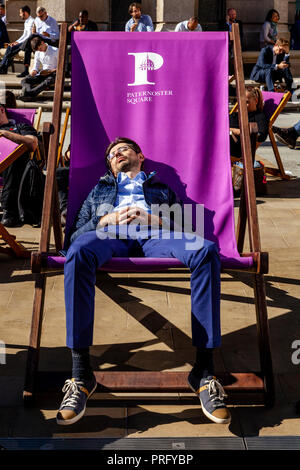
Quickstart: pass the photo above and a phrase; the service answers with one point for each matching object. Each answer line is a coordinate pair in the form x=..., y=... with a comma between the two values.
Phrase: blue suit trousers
x=88, y=252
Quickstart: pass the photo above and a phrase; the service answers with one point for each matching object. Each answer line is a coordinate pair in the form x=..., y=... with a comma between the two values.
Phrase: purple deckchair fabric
x=271, y=101
x=168, y=92
x=18, y=115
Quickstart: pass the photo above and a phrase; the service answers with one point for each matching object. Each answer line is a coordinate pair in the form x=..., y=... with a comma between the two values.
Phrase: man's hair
x=121, y=140
x=282, y=42
x=229, y=9
x=256, y=94
x=40, y=10
x=193, y=19
x=270, y=14
x=26, y=9
x=137, y=5
x=2, y=5
x=36, y=42
x=84, y=13
x=10, y=99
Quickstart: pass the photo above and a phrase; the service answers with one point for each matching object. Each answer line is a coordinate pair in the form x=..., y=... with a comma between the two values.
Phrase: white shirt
x=27, y=30
x=46, y=60
x=3, y=18
x=49, y=26
x=183, y=26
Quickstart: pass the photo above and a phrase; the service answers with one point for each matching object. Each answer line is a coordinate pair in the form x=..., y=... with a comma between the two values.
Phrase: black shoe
x=23, y=74
x=10, y=220
x=25, y=98
x=286, y=136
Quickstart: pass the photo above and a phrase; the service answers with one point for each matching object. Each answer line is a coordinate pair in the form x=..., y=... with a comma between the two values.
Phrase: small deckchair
x=273, y=105
x=7, y=158
x=217, y=182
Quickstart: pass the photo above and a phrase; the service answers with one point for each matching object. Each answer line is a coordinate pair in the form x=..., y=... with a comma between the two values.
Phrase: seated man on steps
x=14, y=47
x=273, y=64
x=124, y=198
x=44, y=70
x=21, y=134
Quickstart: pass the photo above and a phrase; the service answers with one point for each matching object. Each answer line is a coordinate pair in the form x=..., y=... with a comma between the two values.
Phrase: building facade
x=113, y=14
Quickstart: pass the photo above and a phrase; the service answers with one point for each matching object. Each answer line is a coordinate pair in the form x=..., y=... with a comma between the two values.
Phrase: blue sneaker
x=211, y=395
x=73, y=406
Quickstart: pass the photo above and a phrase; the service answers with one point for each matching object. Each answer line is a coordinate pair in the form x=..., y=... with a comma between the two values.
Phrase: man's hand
x=282, y=65
x=134, y=26
x=11, y=44
x=47, y=72
x=127, y=215
x=33, y=73
x=33, y=29
x=46, y=34
x=30, y=141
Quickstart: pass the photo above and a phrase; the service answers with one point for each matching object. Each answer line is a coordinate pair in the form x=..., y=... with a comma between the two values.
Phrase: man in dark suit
x=273, y=64
x=226, y=24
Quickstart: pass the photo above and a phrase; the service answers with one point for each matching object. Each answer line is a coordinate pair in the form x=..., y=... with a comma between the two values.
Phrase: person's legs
x=11, y=51
x=33, y=86
x=287, y=136
x=83, y=258
x=204, y=264
x=62, y=178
x=9, y=197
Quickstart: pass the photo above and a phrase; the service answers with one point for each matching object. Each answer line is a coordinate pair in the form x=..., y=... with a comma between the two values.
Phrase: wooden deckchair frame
x=270, y=170
x=14, y=247
x=262, y=383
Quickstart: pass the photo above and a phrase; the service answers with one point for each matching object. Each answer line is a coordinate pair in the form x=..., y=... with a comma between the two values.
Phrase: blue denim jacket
x=105, y=192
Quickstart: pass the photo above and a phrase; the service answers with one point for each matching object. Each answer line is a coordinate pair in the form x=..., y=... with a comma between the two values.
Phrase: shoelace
x=72, y=393
x=216, y=390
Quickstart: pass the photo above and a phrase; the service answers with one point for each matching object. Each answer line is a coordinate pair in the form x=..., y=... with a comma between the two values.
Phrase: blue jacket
x=265, y=61
x=105, y=192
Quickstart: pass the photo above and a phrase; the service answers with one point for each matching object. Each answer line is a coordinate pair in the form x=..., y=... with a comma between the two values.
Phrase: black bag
x=31, y=194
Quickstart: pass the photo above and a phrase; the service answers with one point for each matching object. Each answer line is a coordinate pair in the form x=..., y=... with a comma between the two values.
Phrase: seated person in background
x=138, y=22
x=189, y=25
x=230, y=19
x=123, y=198
x=268, y=34
x=62, y=178
x=82, y=23
x=255, y=104
x=46, y=28
x=3, y=13
x=287, y=136
x=14, y=47
x=44, y=70
x=20, y=133
x=273, y=64
x=3, y=34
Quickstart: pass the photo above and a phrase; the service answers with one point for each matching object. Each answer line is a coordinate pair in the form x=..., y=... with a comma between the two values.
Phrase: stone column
x=171, y=12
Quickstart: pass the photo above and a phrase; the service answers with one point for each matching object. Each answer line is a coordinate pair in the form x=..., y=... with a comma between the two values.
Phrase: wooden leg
x=35, y=338
x=264, y=338
x=280, y=170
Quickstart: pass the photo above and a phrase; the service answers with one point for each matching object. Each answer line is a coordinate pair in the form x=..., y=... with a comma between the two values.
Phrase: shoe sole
x=209, y=415
x=67, y=422
x=282, y=141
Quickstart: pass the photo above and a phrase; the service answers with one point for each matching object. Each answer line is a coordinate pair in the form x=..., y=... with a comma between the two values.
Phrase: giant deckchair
x=9, y=153
x=210, y=181
x=273, y=105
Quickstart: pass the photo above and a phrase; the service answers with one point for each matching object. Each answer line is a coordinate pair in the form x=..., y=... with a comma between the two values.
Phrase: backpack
x=31, y=194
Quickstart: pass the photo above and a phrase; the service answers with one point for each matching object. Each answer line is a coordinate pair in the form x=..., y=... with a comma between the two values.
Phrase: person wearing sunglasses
x=123, y=201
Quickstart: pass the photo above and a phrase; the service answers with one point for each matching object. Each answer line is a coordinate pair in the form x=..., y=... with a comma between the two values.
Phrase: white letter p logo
x=145, y=61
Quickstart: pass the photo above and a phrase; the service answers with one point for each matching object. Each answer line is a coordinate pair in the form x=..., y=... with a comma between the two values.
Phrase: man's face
x=136, y=13
x=125, y=158
x=279, y=49
x=23, y=15
x=192, y=25
x=83, y=19
x=2, y=11
x=42, y=47
x=42, y=15
x=232, y=15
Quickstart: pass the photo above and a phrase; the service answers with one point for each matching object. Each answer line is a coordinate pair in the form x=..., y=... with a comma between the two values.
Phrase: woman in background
x=268, y=34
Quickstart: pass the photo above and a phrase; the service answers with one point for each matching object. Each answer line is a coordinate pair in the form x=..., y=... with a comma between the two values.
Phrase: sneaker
x=211, y=395
x=73, y=406
x=286, y=136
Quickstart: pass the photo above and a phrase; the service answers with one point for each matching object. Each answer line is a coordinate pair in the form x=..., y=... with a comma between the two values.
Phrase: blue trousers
x=88, y=252
x=270, y=76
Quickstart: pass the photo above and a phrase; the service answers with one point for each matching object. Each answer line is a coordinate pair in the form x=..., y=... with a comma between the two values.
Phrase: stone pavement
x=142, y=321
